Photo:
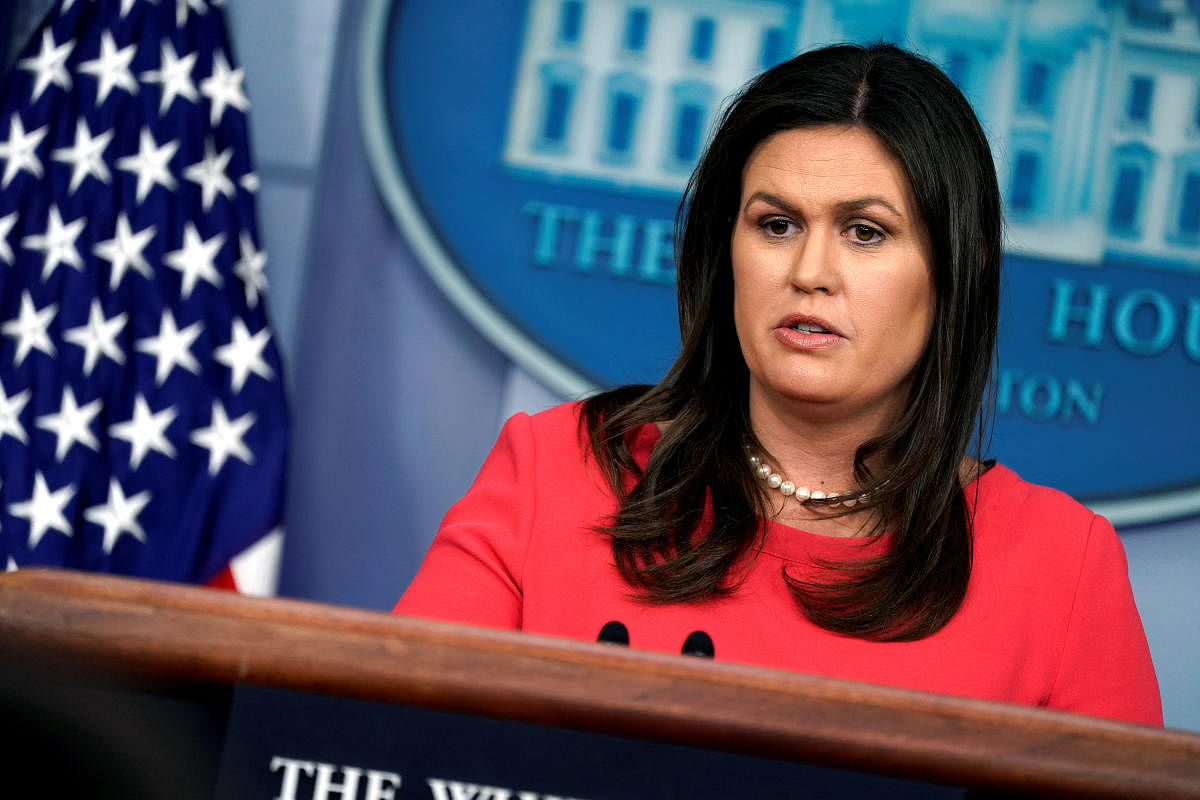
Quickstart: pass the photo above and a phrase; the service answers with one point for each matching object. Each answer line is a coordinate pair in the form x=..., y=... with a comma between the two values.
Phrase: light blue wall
x=396, y=399
x=1164, y=567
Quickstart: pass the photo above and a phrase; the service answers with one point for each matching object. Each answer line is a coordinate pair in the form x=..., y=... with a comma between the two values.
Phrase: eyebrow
x=856, y=204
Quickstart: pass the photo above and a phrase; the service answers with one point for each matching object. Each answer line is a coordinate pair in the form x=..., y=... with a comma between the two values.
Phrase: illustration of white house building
x=1092, y=106
x=624, y=93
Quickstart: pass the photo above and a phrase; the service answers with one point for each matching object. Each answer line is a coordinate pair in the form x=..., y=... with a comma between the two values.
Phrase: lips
x=807, y=323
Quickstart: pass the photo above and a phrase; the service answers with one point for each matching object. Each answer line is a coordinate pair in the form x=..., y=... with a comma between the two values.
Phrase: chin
x=809, y=385
x=807, y=391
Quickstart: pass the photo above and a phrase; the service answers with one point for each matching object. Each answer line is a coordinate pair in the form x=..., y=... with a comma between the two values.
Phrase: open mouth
x=809, y=327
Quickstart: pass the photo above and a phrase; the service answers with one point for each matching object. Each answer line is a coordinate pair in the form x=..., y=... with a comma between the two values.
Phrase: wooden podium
x=71, y=635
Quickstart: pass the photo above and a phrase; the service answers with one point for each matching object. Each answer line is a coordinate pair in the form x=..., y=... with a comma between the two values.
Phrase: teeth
x=808, y=327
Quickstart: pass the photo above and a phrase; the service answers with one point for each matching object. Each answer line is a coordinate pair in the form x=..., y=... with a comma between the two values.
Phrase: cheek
x=924, y=304
x=742, y=312
x=899, y=311
x=746, y=296
x=748, y=313
x=757, y=276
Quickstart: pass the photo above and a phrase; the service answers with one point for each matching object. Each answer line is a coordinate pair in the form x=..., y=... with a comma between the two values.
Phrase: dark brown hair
x=914, y=588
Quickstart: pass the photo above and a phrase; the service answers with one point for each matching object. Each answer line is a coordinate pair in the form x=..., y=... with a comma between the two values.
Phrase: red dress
x=1048, y=619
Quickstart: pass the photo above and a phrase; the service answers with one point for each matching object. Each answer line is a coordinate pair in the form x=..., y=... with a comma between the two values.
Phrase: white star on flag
x=111, y=68
x=119, y=515
x=72, y=423
x=195, y=260
x=223, y=438
x=44, y=509
x=29, y=328
x=126, y=5
x=150, y=164
x=174, y=75
x=98, y=336
x=11, y=407
x=223, y=88
x=181, y=10
x=244, y=354
x=19, y=150
x=250, y=268
x=57, y=243
x=86, y=156
x=6, y=225
x=172, y=347
x=209, y=174
x=49, y=65
x=183, y=6
x=124, y=251
x=145, y=431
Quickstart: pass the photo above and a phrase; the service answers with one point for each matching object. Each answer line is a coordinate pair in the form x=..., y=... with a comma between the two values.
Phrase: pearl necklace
x=802, y=493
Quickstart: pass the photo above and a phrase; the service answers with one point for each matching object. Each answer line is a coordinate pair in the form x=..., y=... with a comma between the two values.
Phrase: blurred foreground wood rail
x=185, y=635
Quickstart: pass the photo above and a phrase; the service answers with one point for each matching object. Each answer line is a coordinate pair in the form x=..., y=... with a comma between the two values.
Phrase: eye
x=777, y=227
x=864, y=234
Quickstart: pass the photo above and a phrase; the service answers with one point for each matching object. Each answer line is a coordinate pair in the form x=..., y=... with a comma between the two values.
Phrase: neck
x=813, y=447
x=814, y=451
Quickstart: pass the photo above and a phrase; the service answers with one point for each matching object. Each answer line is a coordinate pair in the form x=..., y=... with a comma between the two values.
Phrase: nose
x=815, y=263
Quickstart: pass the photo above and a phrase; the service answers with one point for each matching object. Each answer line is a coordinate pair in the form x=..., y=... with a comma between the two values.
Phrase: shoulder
x=1052, y=550
x=1057, y=573
x=564, y=416
x=1001, y=495
x=1036, y=532
x=554, y=431
x=546, y=448
x=562, y=431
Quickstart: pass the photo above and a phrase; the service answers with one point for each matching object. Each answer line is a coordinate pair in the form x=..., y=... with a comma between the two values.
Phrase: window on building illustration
x=1035, y=86
x=1126, y=197
x=637, y=24
x=625, y=93
x=688, y=120
x=958, y=65
x=703, y=33
x=1146, y=16
x=773, y=50
x=570, y=22
x=1141, y=96
x=557, y=111
x=688, y=130
x=621, y=119
x=1022, y=193
x=560, y=82
x=1188, y=224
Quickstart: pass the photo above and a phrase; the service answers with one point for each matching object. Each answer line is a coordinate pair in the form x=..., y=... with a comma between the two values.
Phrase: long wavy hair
x=658, y=541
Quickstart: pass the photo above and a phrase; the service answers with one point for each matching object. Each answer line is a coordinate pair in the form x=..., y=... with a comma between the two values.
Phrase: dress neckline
x=796, y=544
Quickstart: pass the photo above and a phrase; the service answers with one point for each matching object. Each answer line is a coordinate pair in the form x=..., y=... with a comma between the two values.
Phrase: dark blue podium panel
x=284, y=745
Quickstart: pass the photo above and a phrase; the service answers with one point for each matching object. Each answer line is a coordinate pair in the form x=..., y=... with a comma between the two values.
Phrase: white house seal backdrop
x=535, y=162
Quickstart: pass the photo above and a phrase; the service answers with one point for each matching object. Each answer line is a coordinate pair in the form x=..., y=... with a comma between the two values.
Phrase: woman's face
x=833, y=291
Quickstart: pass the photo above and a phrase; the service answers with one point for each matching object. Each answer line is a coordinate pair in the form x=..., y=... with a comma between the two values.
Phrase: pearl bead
x=801, y=493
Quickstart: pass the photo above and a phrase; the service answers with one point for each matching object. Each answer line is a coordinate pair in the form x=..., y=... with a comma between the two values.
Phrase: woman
x=796, y=491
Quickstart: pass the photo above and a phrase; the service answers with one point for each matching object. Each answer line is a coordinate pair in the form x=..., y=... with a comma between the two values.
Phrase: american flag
x=142, y=421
